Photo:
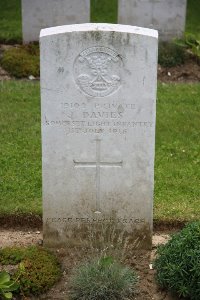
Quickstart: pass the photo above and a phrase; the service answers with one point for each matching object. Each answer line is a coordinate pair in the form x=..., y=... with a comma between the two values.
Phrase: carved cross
x=98, y=164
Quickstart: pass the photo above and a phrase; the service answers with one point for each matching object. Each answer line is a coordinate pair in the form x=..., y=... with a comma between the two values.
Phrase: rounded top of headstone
x=98, y=27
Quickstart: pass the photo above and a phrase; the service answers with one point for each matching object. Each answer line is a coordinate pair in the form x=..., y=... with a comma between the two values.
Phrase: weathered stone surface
x=98, y=90
x=167, y=16
x=39, y=14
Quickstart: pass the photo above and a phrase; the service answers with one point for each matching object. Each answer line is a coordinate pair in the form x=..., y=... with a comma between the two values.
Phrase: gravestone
x=39, y=14
x=167, y=16
x=98, y=93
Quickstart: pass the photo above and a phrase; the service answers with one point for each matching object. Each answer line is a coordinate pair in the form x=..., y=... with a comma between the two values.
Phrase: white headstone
x=98, y=89
x=167, y=16
x=39, y=14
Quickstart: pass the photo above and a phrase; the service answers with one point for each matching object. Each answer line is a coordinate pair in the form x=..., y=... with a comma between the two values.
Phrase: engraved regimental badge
x=96, y=71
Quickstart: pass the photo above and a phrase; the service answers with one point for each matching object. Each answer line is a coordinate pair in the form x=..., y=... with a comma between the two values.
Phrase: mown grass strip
x=20, y=160
x=177, y=194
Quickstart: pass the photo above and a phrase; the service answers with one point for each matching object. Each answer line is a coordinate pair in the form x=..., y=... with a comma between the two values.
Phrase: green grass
x=101, y=11
x=104, y=11
x=177, y=193
x=10, y=21
x=20, y=160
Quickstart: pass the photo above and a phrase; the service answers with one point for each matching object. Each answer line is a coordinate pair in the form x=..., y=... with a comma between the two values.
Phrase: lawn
x=10, y=21
x=177, y=193
x=177, y=165
x=104, y=11
x=101, y=11
x=20, y=160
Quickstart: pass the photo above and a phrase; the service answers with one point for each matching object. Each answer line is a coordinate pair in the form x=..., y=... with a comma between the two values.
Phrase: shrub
x=38, y=269
x=102, y=279
x=171, y=55
x=22, y=61
x=12, y=256
x=178, y=263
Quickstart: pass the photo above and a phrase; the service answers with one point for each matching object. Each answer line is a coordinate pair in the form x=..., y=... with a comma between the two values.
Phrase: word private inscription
x=96, y=71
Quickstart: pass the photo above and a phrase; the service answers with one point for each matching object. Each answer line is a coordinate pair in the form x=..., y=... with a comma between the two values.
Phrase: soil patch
x=141, y=261
x=188, y=73
x=22, y=221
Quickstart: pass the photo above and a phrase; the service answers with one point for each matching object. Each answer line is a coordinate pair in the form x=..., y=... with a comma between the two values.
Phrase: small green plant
x=38, y=269
x=102, y=279
x=22, y=61
x=191, y=43
x=178, y=263
x=7, y=286
x=171, y=55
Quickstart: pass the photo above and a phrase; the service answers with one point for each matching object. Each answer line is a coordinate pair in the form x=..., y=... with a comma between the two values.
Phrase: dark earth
x=188, y=73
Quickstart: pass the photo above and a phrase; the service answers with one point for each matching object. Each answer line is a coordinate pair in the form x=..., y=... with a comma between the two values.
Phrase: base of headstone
x=99, y=233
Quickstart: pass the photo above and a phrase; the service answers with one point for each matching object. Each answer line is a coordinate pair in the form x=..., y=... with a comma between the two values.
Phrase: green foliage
x=191, y=43
x=38, y=269
x=102, y=279
x=171, y=55
x=7, y=286
x=22, y=61
x=178, y=263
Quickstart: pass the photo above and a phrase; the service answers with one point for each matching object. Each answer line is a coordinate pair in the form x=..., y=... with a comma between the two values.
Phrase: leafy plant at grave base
x=7, y=286
x=178, y=263
x=102, y=279
x=22, y=61
x=38, y=269
x=171, y=54
x=191, y=43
